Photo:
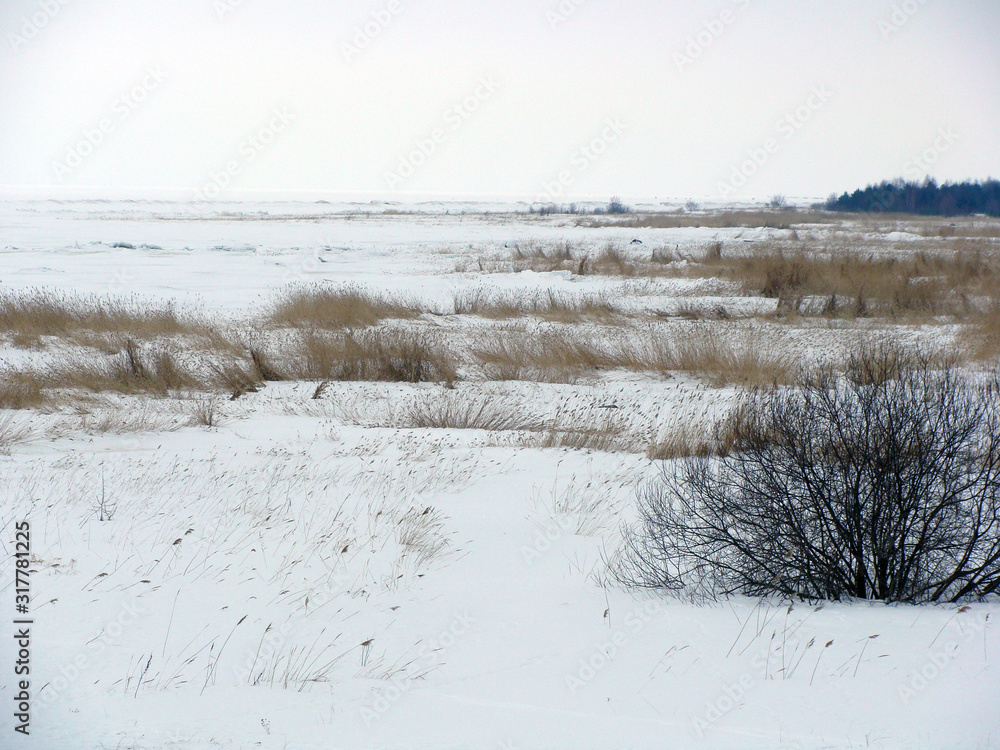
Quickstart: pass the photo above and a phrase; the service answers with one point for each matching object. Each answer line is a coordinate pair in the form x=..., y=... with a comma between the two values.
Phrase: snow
x=227, y=601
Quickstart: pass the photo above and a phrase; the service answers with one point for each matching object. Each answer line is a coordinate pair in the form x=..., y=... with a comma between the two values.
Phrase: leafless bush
x=883, y=484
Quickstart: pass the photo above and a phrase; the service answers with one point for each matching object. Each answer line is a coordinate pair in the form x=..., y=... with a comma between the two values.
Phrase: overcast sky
x=724, y=100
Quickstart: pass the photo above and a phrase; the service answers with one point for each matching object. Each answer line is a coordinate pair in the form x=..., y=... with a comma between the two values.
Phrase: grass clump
x=375, y=355
x=333, y=308
x=28, y=316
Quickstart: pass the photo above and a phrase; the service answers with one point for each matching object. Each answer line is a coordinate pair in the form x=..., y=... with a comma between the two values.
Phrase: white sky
x=355, y=124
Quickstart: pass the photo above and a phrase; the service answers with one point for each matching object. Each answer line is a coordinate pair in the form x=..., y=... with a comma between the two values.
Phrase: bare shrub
x=315, y=306
x=871, y=487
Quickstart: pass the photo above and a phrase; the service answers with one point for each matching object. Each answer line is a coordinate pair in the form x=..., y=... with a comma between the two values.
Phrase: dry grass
x=125, y=420
x=21, y=390
x=546, y=304
x=548, y=355
x=205, y=413
x=154, y=370
x=835, y=283
x=722, y=361
x=376, y=355
x=606, y=435
x=12, y=431
x=721, y=220
x=28, y=316
x=455, y=411
x=561, y=356
x=333, y=308
x=850, y=284
x=982, y=338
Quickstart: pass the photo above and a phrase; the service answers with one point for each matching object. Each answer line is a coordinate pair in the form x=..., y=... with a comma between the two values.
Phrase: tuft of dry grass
x=333, y=308
x=27, y=316
x=863, y=285
x=453, y=411
x=546, y=304
x=548, y=355
x=605, y=435
x=561, y=356
x=11, y=432
x=983, y=336
x=154, y=370
x=717, y=220
x=722, y=361
x=205, y=413
x=21, y=389
x=375, y=354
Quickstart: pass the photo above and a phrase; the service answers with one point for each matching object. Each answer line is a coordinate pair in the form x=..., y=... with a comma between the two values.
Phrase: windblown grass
x=335, y=308
x=546, y=304
x=396, y=355
x=28, y=316
x=461, y=411
x=21, y=389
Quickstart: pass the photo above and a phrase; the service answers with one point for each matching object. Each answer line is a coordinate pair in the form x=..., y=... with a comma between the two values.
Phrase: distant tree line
x=929, y=198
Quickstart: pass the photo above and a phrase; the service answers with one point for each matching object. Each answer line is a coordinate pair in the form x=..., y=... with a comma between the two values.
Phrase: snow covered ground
x=311, y=573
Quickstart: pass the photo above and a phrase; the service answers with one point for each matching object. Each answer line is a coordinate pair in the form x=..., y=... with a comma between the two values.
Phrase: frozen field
x=313, y=566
